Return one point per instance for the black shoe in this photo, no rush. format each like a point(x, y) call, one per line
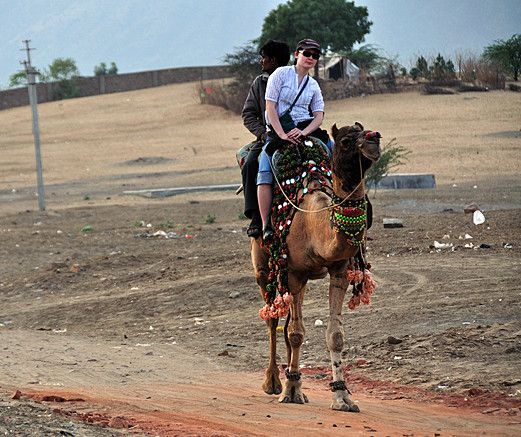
point(267, 233)
point(254, 231)
point(255, 228)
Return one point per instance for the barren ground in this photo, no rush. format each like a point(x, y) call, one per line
point(109, 331)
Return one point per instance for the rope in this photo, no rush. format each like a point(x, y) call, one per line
point(325, 208)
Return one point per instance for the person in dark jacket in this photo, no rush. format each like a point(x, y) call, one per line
point(273, 54)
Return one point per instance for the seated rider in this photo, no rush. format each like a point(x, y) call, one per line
point(273, 54)
point(307, 113)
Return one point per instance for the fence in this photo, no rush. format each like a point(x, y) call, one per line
point(91, 86)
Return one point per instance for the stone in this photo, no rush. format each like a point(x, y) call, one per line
point(392, 223)
point(469, 209)
point(394, 340)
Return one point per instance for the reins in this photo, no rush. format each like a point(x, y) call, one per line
point(333, 205)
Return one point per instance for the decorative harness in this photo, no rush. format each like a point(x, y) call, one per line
point(299, 171)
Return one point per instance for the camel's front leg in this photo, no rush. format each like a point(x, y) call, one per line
point(292, 392)
point(335, 341)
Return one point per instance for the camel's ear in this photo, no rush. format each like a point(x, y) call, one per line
point(334, 130)
point(359, 125)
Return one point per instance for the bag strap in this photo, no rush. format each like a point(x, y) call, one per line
point(298, 95)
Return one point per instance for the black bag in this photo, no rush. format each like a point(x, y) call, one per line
point(285, 119)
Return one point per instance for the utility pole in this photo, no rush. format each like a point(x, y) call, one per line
point(33, 100)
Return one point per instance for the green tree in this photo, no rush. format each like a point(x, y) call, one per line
point(244, 63)
point(366, 57)
point(65, 72)
point(113, 68)
point(18, 79)
point(506, 54)
point(336, 24)
point(63, 69)
point(101, 69)
point(422, 67)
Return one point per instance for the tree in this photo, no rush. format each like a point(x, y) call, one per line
point(506, 54)
point(66, 73)
point(244, 63)
point(366, 57)
point(63, 69)
point(423, 67)
point(18, 79)
point(113, 68)
point(102, 70)
point(336, 24)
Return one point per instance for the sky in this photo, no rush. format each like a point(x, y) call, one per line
point(144, 35)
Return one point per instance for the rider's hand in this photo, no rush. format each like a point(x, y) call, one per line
point(295, 134)
point(287, 137)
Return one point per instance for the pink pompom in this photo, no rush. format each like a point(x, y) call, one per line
point(264, 312)
point(288, 298)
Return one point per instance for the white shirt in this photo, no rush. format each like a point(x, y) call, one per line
point(282, 88)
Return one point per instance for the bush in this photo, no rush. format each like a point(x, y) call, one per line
point(479, 72)
point(224, 95)
point(392, 156)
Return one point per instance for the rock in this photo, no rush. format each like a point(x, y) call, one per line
point(17, 395)
point(476, 391)
point(53, 398)
point(119, 422)
point(470, 208)
point(361, 362)
point(394, 340)
point(392, 223)
point(235, 294)
point(485, 246)
point(319, 322)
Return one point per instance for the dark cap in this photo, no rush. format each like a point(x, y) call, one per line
point(308, 44)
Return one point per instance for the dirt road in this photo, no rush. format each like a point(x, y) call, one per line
point(163, 390)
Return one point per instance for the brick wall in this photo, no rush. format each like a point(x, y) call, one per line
point(91, 86)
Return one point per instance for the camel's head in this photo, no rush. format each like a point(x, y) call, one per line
point(351, 138)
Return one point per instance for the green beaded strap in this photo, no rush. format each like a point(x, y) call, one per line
point(350, 219)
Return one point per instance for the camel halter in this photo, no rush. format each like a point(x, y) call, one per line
point(325, 208)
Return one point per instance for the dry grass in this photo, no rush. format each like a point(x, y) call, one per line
point(459, 138)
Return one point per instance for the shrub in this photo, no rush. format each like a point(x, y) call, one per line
point(392, 156)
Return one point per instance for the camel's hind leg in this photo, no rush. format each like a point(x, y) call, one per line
point(259, 258)
point(294, 334)
point(335, 341)
point(272, 384)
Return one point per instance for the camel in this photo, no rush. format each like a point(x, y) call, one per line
point(315, 248)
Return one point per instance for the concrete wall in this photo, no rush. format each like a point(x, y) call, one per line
point(91, 86)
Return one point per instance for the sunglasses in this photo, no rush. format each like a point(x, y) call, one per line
point(310, 54)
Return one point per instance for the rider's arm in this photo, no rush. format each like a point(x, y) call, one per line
point(252, 116)
point(318, 117)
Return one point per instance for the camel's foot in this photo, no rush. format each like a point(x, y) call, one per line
point(293, 393)
point(342, 402)
point(272, 384)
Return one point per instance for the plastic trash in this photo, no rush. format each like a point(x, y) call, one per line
point(478, 218)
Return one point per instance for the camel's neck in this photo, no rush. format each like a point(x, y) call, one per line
point(348, 176)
